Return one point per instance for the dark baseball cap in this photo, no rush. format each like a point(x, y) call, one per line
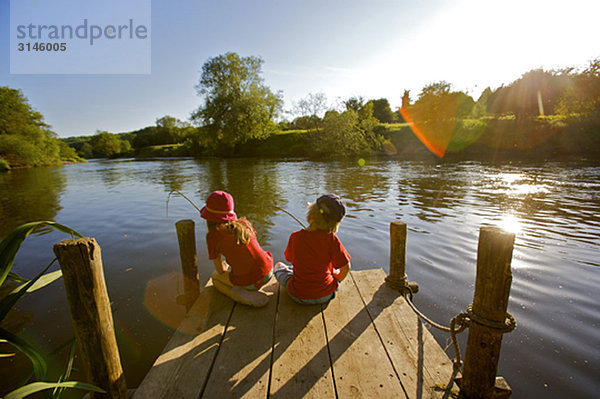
point(331, 207)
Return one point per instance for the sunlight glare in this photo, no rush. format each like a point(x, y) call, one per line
point(510, 223)
point(510, 178)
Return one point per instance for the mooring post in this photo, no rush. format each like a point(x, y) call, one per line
point(397, 278)
point(81, 264)
point(189, 261)
point(490, 301)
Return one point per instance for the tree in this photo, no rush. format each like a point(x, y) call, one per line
point(435, 114)
point(310, 109)
point(106, 145)
point(382, 110)
point(480, 107)
point(354, 103)
point(86, 151)
point(582, 96)
point(237, 105)
point(406, 99)
point(348, 133)
point(170, 130)
point(537, 92)
point(437, 102)
point(25, 139)
point(17, 116)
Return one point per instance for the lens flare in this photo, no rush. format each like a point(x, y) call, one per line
point(161, 298)
point(435, 139)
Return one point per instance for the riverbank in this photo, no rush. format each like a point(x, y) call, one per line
point(478, 140)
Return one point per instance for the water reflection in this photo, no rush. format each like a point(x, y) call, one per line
point(37, 197)
point(172, 176)
point(554, 207)
point(431, 190)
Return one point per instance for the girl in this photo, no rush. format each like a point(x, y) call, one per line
point(246, 267)
point(319, 260)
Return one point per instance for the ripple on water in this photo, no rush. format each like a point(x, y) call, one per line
point(554, 295)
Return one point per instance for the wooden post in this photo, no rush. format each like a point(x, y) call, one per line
point(189, 261)
point(397, 278)
point(81, 264)
point(492, 289)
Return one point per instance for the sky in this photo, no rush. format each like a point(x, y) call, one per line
point(342, 48)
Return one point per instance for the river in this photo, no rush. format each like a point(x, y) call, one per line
point(553, 207)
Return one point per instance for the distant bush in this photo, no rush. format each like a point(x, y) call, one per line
point(4, 166)
point(348, 133)
point(67, 153)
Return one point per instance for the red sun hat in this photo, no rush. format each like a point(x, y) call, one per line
point(219, 208)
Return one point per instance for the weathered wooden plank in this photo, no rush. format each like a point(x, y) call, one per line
point(183, 367)
point(361, 367)
point(423, 367)
point(301, 367)
point(242, 366)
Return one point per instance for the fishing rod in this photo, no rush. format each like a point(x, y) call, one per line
point(294, 217)
point(183, 195)
point(195, 206)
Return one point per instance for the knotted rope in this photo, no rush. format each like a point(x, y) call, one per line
point(460, 322)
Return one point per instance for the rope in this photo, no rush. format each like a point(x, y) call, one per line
point(506, 326)
point(461, 322)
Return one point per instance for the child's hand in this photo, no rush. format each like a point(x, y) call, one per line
point(341, 273)
point(220, 265)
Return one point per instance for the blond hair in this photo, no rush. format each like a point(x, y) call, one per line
point(318, 221)
point(241, 228)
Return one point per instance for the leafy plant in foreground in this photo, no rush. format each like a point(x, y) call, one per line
point(8, 251)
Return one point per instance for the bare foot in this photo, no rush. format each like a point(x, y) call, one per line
point(252, 298)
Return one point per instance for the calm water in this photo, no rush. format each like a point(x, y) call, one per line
point(554, 352)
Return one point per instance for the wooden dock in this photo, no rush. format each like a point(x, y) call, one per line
point(366, 342)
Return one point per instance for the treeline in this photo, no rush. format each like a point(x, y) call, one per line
point(554, 112)
point(25, 139)
point(167, 131)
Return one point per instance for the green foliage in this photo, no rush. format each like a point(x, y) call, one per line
point(9, 247)
point(354, 103)
point(4, 165)
point(67, 153)
point(167, 150)
point(17, 116)
point(348, 133)
point(168, 130)
point(437, 103)
point(87, 151)
point(537, 92)
point(310, 111)
point(11, 244)
point(307, 122)
point(582, 97)
point(108, 145)
point(19, 151)
point(237, 105)
point(41, 386)
point(382, 110)
point(25, 139)
point(480, 107)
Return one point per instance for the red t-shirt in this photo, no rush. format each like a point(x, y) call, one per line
point(249, 263)
point(314, 255)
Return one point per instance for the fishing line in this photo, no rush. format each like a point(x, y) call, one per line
point(183, 195)
point(294, 217)
point(195, 206)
